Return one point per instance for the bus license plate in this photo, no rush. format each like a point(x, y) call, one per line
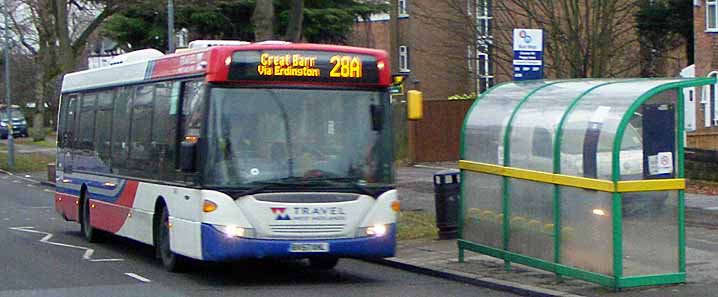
point(309, 247)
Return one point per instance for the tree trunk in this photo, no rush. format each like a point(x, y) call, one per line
point(38, 120)
point(262, 19)
point(296, 18)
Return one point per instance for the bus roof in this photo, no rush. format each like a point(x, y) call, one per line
point(214, 64)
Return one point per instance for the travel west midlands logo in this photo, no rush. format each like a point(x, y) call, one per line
point(281, 213)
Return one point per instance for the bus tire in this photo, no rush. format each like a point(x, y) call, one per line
point(170, 261)
point(90, 233)
point(323, 263)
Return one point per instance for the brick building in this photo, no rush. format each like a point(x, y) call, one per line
point(431, 49)
point(705, 25)
point(450, 47)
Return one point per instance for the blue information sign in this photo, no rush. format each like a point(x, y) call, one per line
point(528, 54)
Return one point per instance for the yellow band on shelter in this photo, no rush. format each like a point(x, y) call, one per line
point(575, 181)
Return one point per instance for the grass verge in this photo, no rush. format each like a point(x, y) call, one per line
point(27, 162)
point(28, 141)
point(416, 225)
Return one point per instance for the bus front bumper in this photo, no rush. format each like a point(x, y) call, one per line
point(216, 246)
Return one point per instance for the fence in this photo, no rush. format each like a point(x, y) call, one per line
point(436, 137)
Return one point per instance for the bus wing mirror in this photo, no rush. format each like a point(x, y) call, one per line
point(377, 117)
point(414, 105)
point(188, 155)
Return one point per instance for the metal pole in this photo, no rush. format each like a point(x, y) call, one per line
point(8, 98)
point(170, 26)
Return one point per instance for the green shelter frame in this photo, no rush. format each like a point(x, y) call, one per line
point(582, 178)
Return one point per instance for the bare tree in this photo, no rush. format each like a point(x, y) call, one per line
point(55, 33)
point(583, 38)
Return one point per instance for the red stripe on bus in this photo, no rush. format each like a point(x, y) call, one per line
point(127, 197)
point(112, 216)
point(107, 216)
point(66, 205)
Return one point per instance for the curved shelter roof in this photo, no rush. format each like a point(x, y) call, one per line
point(501, 123)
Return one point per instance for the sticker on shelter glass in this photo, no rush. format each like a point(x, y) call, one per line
point(600, 113)
point(661, 163)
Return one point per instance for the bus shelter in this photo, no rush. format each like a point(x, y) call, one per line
point(582, 178)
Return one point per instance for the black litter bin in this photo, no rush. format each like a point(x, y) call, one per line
point(447, 188)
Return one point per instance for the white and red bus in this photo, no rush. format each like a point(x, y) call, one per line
point(264, 150)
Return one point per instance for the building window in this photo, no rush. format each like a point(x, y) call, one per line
point(404, 59)
point(711, 15)
point(708, 100)
point(402, 8)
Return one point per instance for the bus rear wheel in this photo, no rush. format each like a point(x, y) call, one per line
point(90, 233)
point(323, 263)
point(170, 261)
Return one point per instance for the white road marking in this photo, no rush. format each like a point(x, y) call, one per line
point(26, 179)
point(16, 181)
point(49, 191)
point(137, 277)
point(31, 186)
point(46, 239)
point(41, 207)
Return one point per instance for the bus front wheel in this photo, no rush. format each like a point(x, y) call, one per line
point(171, 261)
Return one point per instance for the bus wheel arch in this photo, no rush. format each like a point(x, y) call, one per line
point(161, 237)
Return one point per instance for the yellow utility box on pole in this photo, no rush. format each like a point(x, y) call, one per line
point(414, 108)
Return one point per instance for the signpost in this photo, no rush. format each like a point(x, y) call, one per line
point(8, 109)
point(528, 54)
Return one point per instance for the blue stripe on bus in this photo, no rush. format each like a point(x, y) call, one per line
point(218, 247)
point(93, 186)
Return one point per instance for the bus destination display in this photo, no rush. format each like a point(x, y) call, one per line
point(303, 66)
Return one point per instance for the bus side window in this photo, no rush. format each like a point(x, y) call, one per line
point(164, 135)
point(86, 124)
point(140, 153)
point(121, 129)
point(103, 127)
point(193, 96)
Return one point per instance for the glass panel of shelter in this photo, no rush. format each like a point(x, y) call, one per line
point(531, 145)
point(484, 137)
point(650, 219)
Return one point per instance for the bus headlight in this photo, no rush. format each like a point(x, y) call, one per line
point(378, 230)
point(232, 231)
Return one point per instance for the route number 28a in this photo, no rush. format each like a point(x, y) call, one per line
point(345, 67)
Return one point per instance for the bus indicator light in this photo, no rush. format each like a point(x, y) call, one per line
point(396, 205)
point(380, 65)
point(209, 206)
point(191, 138)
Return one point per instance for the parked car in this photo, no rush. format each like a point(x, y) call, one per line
point(19, 124)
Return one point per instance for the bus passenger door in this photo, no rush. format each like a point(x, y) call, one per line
point(67, 135)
